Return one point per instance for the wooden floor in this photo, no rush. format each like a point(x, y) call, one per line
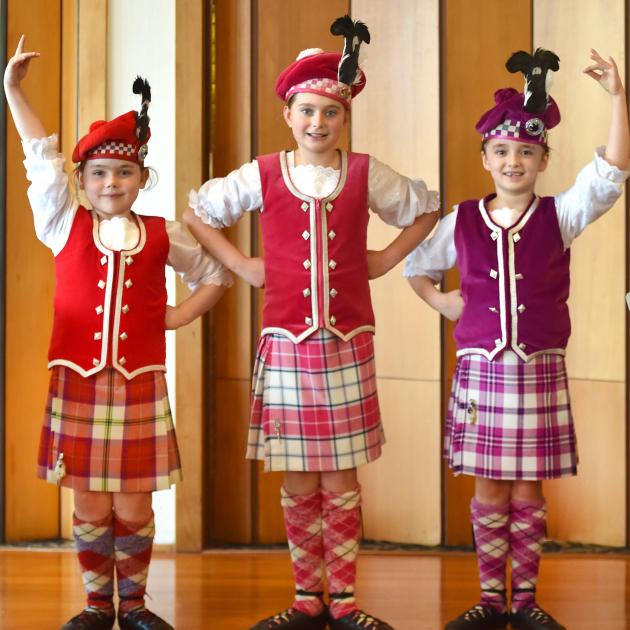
point(39, 590)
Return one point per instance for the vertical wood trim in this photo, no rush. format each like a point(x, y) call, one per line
point(31, 505)
point(463, 177)
point(191, 84)
point(3, 199)
point(230, 474)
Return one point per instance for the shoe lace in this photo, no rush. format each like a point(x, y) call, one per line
point(538, 614)
point(282, 617)
point(477, 613)
point(363, 620)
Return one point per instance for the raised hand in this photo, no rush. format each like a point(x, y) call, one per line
point(17, 68)
point(605, 73)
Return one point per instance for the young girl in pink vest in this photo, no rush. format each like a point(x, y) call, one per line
point(108, 432)
point(315, 412)
point(509, 420)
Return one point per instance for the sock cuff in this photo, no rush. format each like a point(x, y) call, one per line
point(288, 499)
point(128, 528)
point(484, 509)
point(103, 522)
point(348, 500)
point(528, 506)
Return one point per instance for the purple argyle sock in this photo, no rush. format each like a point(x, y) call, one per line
point(492, 542)
point(528, 520)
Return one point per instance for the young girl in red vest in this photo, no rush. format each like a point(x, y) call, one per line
point(315, 412)
point(108, 431)
point(509, 420)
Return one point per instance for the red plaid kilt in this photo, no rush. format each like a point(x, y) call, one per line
point(314, 403)
point(510, 419)
point(116, 435)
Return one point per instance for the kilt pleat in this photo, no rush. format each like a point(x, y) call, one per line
point(314, 404)
point(116, 435)
point(510, 419)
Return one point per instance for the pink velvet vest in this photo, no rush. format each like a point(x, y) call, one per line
point(315, 252)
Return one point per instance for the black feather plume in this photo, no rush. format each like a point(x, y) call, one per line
point(141, 86)
point(535, 68)
point(354, 34)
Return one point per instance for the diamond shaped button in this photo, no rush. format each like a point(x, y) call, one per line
point(306, 264)
point(332, 264)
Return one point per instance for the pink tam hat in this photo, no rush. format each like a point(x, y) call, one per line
point(528, 116)
point(334, 75)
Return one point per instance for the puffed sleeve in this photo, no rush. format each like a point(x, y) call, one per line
point(397, 199)
point(53, 206)
point(220, 202)
point(596, 188)
point(435, 255)
point(191, 261)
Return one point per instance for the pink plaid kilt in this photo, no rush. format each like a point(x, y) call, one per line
point(116, 435)
point(508, 419)
point(314, 404)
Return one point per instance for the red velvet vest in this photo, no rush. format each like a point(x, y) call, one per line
point(110, 306)
point(315, 250)
point(514, 282)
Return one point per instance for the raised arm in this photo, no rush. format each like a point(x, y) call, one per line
point(606, 74)
point(26, 120)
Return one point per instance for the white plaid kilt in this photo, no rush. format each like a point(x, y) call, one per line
point(510, 419)
point(314, 404)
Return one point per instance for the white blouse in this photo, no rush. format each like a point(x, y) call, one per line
point(54, 209)
point(596, 188)
point(397, 199)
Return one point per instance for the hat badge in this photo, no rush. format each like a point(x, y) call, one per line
point(534, 126)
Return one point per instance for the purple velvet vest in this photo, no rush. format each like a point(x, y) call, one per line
point(514, 282)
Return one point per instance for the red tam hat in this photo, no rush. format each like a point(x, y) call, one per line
point(123, 138)
point(315, 72)
point(328, 74)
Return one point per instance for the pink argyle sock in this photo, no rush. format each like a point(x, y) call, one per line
point(528, 522)
point(492, 543)
point(341, 515)
point(303, 524)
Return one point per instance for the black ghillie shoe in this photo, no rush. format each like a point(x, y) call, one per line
point(479, 617)
point(358, 620)
point(142, 619)
point(90, 619)
point(292, 619)
point(533, 618)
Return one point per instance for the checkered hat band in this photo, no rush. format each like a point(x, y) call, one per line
point(507, 129)
point(113, 150)
point(322, 86)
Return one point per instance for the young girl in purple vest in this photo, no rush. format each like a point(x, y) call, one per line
point(108, 432)
point(315, 412)
point(509, 420)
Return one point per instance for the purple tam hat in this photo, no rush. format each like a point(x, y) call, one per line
point(527, 116)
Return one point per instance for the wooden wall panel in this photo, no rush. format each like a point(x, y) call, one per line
point(283, 29)
point(404, 133)
point(596, 353)
point(230, 475)
point(473, 68)
point(190, 158)
point(32, 506)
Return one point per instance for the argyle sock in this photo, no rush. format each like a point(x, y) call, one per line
point(95, 549)
point(492, 543)
point(528, 523)
point(303, 524)
point(341, 517)
point(133, 543)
